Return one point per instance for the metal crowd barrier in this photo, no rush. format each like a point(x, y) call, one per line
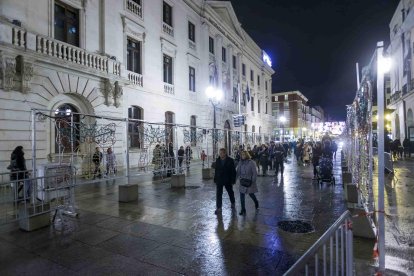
point(31, 196)
point(332, 254)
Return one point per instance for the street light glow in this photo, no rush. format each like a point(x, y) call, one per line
point(282, 119)
point(384, 64)
point(388, 117)
point(210, 92)
point(213, 93)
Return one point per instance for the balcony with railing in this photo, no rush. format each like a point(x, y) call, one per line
point(69, 53)
point(58, 52)
point(192, 45)
point(135, 78)
point(134, 8)
point(169, 30)
point(395, 97)
point(169, 88)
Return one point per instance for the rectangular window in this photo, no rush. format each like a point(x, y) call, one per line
point(211, 45)
point(258, 106)
point(251, 75)
point(258, 80)
point(266, 108)
point(136, 128)
point(234, 62)
point(134, 56)
point(252, 103)
point(244, 69)
point(223, 54)
point(286, 97)
point(191, 77)
point(66, 24)
point(266, 85)
point(167, 14)
point(191, 31)
point(168, 66)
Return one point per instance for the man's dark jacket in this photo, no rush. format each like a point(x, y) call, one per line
point(225, 174)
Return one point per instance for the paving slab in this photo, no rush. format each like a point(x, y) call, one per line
point(175, 231)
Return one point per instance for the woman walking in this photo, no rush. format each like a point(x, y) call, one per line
point(247, 174)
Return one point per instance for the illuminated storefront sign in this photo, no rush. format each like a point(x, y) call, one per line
point(266, 58)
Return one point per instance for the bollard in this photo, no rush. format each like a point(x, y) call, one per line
point(207, 173)
point(178, 181)
point(128, 192)
point(346, 177)
point(362, 225)
point(34, 217)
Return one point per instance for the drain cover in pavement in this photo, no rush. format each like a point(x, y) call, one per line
point(295, 226)
point(191, 187)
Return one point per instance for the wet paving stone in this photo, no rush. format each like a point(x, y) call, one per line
point(129, 246)
point(94, 235)
point(175, 231)
point(171, 257)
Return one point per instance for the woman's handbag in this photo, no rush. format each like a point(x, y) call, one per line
point(245, 182)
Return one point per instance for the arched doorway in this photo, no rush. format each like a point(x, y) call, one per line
point(227, 137)
point(66, 135)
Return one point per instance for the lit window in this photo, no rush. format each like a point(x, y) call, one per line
point(191, 77)
point(168, 65)
point(191, 31)
point(167, 14)
point(211, 45)
point(134, 56)
point(66, 25)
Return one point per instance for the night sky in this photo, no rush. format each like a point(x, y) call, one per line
point(314, 44)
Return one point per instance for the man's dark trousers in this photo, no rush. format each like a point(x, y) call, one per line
point(225, 176)
point(229, 189)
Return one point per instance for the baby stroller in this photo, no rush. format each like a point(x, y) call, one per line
point(325, 170)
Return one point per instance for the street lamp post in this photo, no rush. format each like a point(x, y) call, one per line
point(383, 66)
point(214, 95)
point(282, 120)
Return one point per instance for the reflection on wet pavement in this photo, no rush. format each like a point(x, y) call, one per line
point(174, 231)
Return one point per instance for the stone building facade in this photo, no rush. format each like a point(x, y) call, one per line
point(401, 87)
point(294, 107)
point(137, 59)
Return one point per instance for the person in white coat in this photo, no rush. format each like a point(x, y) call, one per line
point(246, 175)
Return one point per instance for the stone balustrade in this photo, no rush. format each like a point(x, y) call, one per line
point(134, 7)
point(43, 45)
point(135, 78)
point(191, 45)
point(70, 53)
point(169, 88)
point(18, 37)
point(167, 29)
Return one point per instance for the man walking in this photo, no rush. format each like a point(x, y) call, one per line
point(279, 156)
point(225, 176)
